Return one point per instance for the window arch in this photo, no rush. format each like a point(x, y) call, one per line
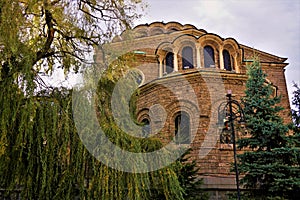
point(182, 128)
point(187, 58)
point(209, 57)
point(170, 62)
point(227, 60)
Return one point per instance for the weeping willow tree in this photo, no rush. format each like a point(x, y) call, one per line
point(41, 154)
point(130, 182)
point(40, 151)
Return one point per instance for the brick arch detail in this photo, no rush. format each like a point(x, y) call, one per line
point(185, 106)
point(234, 50)
point(215, 42)
point(142, 114)
point(157, 31)
point(163, 49)
point(210, 39)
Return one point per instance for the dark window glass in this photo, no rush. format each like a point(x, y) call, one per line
point(209, 57)
point(146, 127)
point(169, 62)
point(139, 78)
point(136, 75)
point(182, 129)
point(187, 58)
point(227, 60)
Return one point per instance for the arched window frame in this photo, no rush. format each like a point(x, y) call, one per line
point(187, 57)
point(169, 62)
point(209, 56)
point(227, 60)
point(233, 63)
point(182, 132)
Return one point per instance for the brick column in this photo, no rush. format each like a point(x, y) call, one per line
point(235, 64)
point(198, 56)
point(160, 73)
point(175, 60)
point(221, 58)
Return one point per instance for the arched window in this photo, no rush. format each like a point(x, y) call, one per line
point(227, 60)
point(182, 128)
point(136, 75)
point(169, 62)
point(187, 58)
point(209, 57)
point(146, 127)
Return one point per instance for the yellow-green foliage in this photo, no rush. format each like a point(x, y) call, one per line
point(41, 154)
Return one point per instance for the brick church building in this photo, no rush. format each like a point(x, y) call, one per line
point(184, 75)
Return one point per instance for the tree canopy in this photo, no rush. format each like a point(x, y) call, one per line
point(41, 154)
point(38, 34)
point(296, 109)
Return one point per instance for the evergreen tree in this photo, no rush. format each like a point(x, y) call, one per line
point(295, 126)
point(269, 165)
point(187, 172)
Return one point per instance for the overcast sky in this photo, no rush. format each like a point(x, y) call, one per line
point(272, 26)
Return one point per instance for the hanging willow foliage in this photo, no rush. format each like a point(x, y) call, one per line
point(160, 184)
point(39, 145)
point(111, 183)
point(42, 156)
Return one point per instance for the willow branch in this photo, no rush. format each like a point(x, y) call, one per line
point(50, 37)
